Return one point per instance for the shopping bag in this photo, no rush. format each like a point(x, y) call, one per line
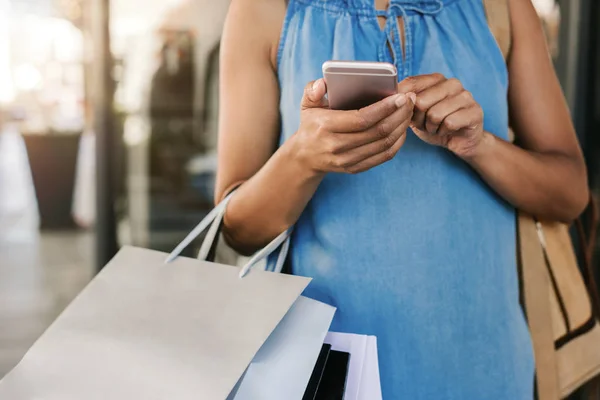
point(283, 365)
point(561, 306)
point(363, 381)
point(149, 328)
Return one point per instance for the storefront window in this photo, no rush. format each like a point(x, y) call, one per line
point(166, 55)
point(549, 12)
point(45, 50)
point(42, 97)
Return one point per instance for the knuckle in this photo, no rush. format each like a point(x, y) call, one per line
point(435, 117)
point(330, 146)
point(343, 163)
point(346, 163)
point(383, 129)
point(324, 121)
point(409, 81)
point(389, 154)
point(353, 170)
point(466, 95)
point(321, 131)
point(361, 121)
point(438, 76)
point(387, 143)
point(451, 124)
point(480, 113)
point(336, 163)
point(307, 88)
point(454, 82)
point(454, 86)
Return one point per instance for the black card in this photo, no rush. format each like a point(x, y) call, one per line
point(317, 374)
point(333, 382)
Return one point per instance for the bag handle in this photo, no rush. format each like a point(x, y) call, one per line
point(201, 227)
point(214, 218)
point(212, 235)
point(587, 245)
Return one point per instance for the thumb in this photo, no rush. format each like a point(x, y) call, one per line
point(314, 93)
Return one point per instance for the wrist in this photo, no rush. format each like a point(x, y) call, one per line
point(299, 163)
point(480, 150)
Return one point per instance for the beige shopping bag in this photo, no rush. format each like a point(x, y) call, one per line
point(560, 304)
point(184, 329)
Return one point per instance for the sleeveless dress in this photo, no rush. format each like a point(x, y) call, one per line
point(419, 251)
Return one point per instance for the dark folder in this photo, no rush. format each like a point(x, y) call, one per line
point(333, 381)
point(317, 374)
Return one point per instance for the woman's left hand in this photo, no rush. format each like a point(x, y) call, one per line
point(445, 113)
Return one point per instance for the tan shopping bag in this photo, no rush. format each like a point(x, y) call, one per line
point(559, 303)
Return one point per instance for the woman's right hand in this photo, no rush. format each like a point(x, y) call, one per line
point(349, 141)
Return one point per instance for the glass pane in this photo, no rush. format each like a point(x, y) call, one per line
point(46, 211)
point(549, 13)
point(166, 66)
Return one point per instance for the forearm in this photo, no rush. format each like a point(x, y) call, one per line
point(551, 186)
point(269, 202)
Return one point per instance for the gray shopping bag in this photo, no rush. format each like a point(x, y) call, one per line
point(284, 364)
point(146, 329)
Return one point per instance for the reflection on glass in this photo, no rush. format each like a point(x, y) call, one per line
point(167, 73)
point(46, 70)
point(42, 97)
point(549, 12)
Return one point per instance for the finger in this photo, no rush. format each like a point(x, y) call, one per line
point(436, 93)
point(364, 118)
point(438, 112)
point(314, 95)
point(359, 154)
point(465, 118)
point(385, 128)
point(431, 96)
point(412, 96)
point(378, 158)
point(418, 83)
point(418, 119)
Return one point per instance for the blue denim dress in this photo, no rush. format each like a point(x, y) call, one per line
point(419, 251)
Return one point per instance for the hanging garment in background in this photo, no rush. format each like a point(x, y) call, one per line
point(84, 192)
point(19, 214)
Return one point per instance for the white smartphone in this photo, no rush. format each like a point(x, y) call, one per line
point(355, 84)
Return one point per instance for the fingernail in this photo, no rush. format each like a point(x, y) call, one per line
point(413, 97)
point(400, 100)
point(316, 84)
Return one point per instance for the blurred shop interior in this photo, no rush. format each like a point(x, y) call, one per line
point(108, 131)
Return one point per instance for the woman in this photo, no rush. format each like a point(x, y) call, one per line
point(404, 211)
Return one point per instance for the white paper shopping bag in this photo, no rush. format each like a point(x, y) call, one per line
point(284, 364)
point(362, 382)
point(154, 327)
point(143, 329)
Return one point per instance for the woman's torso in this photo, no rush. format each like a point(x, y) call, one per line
point(418, 251)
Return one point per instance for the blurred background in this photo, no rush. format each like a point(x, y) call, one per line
point(108, 129)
